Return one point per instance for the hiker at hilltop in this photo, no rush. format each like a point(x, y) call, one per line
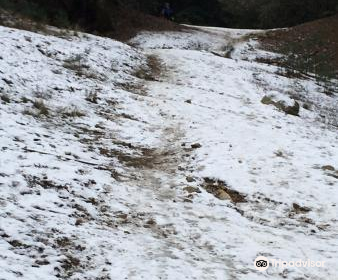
point(167, 12)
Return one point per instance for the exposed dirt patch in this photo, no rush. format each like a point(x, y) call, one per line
point(310, 47)
point(289, 110)
point(152, 70)
point(17, 243)
point(191, 190)
point(147, 159)
point(69, 265)
point(329, 170)
point(300, 209)
point(34, 181)
point(222, 191)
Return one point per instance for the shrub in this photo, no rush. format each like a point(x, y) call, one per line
point(282, 106)
point(5, 98)
point(25, 99)
point(41, 107)
point(92, 97)
point(72, 113)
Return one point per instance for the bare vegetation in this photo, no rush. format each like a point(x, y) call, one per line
point(5, 98)
point(290, 110)
point(152, 70)
point(72, 112)
point(77, 63)
point(41, 107)
point(92, 97)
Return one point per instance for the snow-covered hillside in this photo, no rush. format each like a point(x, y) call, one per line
point(172, 158)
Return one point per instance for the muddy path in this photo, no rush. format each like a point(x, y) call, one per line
point(159, 167)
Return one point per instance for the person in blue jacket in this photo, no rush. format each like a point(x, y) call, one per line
point(167, 11)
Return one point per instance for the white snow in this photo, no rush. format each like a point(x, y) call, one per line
point(102, 195)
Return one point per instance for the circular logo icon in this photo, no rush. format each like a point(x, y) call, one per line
point(261, 263)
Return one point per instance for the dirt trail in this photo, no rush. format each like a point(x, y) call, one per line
point(158, 169)
point(160, 165)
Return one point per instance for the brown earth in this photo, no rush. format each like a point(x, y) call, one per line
point(132, 22)
point(128, 24)
point(310, 47)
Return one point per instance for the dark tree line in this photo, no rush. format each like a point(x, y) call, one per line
point(278, 13)
point(105, 15)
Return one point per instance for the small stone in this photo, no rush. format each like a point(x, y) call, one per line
point(80, 248)
point(151, 222)
point(266, 100)
point(8, 82)
point(223, 195)
point(196, 146)
point(188, 101)
point(192, 190)
point(307, 106)
point(79, 222)
point(190, 179)
point(42, 262)
point(292, 110)
point(122, 216)
point(323, 226)
point(16, 243)
point(300, 209)
point(328, 168)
